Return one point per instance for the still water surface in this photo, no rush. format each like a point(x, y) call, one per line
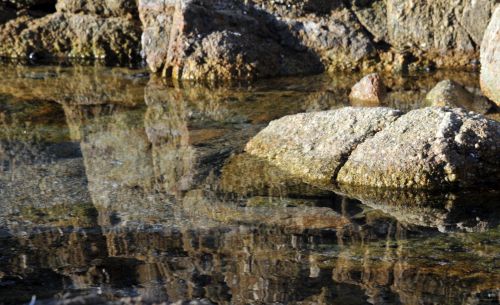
point(117, 188)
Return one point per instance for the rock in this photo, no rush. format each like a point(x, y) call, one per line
point(223, 40)
point(32, 4)
point(451, 94)
point(490, 59)
point(71, 35)
point(428, 148)
point(315, 145)
point(107, 8)
point(369, 90)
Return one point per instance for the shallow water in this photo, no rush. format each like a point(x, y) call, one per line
point(116, 187)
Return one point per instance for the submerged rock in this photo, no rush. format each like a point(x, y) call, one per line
point(315, 145)
point(369, 90)
point(426, 148)
point(451, 94)
point(490, 59)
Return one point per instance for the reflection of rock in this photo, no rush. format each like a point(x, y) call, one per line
point(248, 175)
point(462, 211)
point(315, 145)
point(255, 265)
point(490, 59)
point(74, 85)
point(451, 94)
point(42, 178)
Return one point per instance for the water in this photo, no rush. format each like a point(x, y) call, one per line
point(119, 188)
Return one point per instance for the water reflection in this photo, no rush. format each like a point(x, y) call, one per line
point(116, 188)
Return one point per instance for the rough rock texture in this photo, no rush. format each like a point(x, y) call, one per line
point(428, 148)
point(239, 39)
point(490, 59)
point(79, 29)
point(108, 8)
point(219, 40)
point(370, 89)
point(315, 145)
point(451, 94)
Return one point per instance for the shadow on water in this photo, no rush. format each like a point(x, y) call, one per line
point(117, 189)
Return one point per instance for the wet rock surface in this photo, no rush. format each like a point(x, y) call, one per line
point(490, 59)
point(451, 94)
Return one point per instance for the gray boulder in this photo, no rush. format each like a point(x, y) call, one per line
point(427, 149)
point(430, 148)
point(315, 145)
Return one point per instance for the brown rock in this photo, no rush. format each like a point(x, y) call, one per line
point(369, 90)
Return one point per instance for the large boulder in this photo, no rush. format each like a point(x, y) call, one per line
point(428, 148)
point(315, 145)
point(223, 40)
point(490, 59)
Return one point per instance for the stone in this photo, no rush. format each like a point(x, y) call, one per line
point(452, 94)
point(223, 40)
point(370, 90)
point(315, 145)
point(490, 59)
point(106, 8)
point(429, 148)
point(62, 35)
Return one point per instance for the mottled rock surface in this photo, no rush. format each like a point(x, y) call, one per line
point(452, 94)
point(237, 39)
point(223, 40)
point(315, 145)
point(108, 30)
point(428, 148)
point(490, 59)
point(370, 89)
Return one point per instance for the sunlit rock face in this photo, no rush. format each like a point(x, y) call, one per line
point(105, 30)
point(429, 148)
point(490, 59)
point(205, 40)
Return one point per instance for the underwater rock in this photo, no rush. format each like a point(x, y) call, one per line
point(490, 59)
point(451, 94)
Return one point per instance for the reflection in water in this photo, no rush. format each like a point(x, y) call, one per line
point(118, 189)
